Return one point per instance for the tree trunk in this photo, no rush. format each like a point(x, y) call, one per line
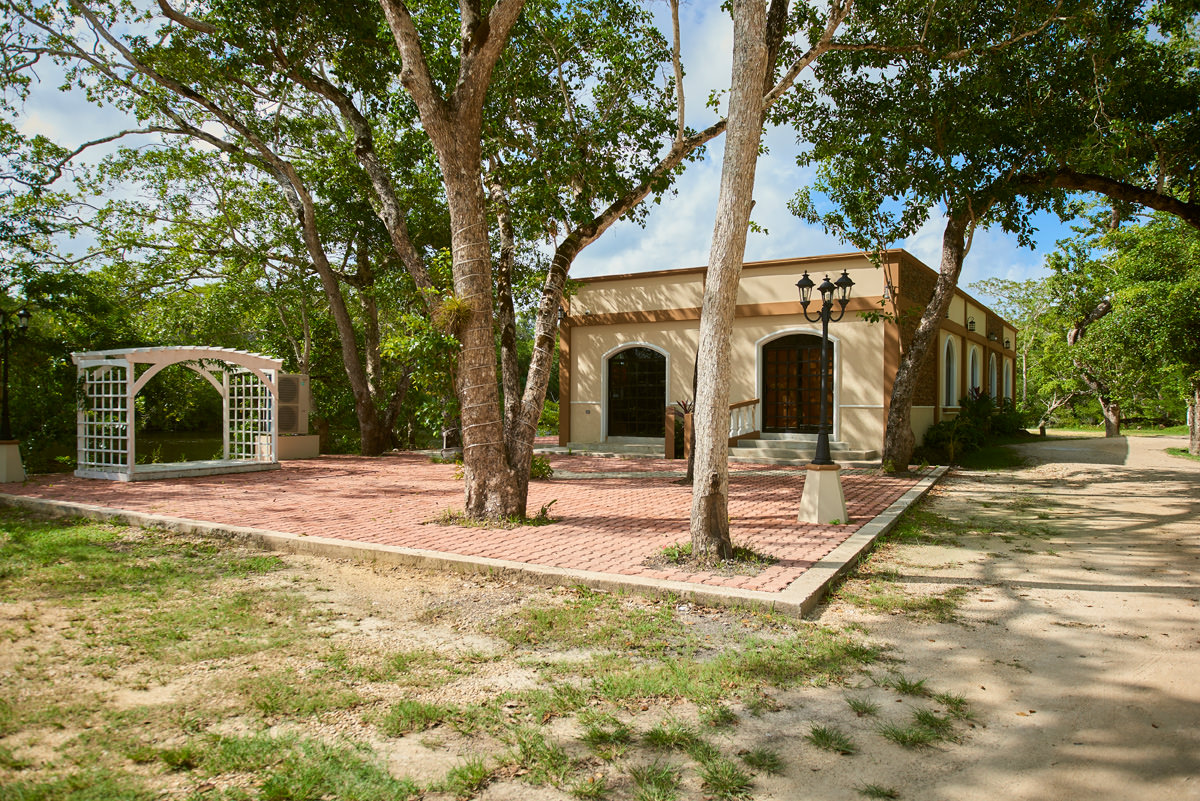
point(1194, 421)
point(493, 489)
point(1109, 407)
point(710, 490)
point(1112, 417)
point(898, 440)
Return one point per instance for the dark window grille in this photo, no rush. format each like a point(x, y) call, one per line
point(637, 393)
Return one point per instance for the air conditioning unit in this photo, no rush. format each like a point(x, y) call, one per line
point(294, 403)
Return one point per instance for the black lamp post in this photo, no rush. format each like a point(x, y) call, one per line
point(828, 289)
point(22, 323)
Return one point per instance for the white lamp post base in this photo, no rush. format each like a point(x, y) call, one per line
point(823, 501)
point(11, 468)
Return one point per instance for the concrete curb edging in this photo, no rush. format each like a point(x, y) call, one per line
point(808, 590)
point(797, 599)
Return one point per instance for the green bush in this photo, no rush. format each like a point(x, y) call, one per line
point(540, 468)
point(949, 439)
point(548, 422)
point(979, 420)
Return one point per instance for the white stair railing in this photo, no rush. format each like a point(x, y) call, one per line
point(743, 418)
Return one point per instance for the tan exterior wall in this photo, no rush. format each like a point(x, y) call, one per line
point(922, 419)
point(592, 345)
point(661, 310)
point(958, 311)
point(857, 346)
point(777, 282)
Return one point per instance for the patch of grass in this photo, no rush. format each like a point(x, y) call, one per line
point(1165, 431)
point(877, 791)
point(927, 727)
point(85, 785)
point(467, 778)
point(590, 618)
point(1183, 452)
point(956, 705)
point(543, 761)
point(406, 716)
point(60, 559)
point(457, 517)
point(993, 457)
point(293, 767)
point(831, 738)
point(285, 694)
point(943, 727)
point(879, 592)
point(861, 706)
point(10, 761)
point(723, 779)
point(591, 787)
point(680, 553)
point(655, 782)
point(763, 760)
point(906, 686)
point(671, 734)
point(920, 525)
point(605, 734)
point(718, 716)
point(910, 736)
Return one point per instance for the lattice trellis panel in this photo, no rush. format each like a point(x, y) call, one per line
point(251, 417)
point(103, 418)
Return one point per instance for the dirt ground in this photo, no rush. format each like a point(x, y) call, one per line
point(1077, 647)
point(1079, 650)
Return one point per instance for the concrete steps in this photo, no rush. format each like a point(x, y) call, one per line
point(794, 449)
point(790, 449)
point(630, 446)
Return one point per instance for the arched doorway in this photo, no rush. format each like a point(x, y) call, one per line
point(637, 393)
point(791, 384)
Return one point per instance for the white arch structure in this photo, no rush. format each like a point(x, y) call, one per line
point(109, 381)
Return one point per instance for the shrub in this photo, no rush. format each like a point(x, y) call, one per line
point(548, 422)
point(540, 468)
point(953, 438)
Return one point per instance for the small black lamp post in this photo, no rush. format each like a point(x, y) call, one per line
point(22, 323)
point(829, 290)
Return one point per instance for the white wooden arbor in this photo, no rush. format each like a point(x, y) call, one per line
point(109, 381)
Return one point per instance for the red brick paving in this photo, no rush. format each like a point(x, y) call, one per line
point(608, 524)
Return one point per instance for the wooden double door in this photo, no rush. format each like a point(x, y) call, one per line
point(792, 384)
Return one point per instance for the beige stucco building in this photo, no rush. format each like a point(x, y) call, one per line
point(628, 346)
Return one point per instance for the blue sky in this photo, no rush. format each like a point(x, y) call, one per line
point(678, 231)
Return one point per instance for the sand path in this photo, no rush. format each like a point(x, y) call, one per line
point(1079, 646)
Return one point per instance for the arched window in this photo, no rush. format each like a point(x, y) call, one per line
point(637, 393)
point(973, 373)
point(993, 378)
point(1008, 370)
point(950, 375)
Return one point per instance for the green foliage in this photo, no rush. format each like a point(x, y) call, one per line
point(548, 422)
point(831, 738)
point(407, 716)
point(981, 421)
point(540, 469)
point(764, 760)
point(655, 782)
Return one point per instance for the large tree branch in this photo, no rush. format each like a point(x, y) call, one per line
point(183, 19)
point(1067, 178)
point(390, 211)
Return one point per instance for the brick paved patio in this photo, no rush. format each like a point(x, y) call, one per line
point(612, 514)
